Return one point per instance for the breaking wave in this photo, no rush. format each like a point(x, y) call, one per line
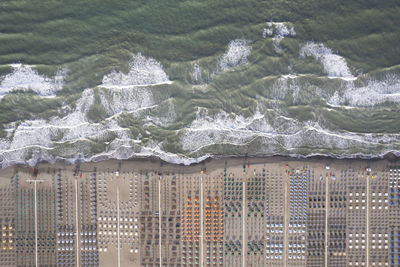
point(373, 93)
point(23, 77)
point(236, 54)
point(278, 31)
point(268, 131)
point(142, 72)
point(334, 65)
point(62, 137)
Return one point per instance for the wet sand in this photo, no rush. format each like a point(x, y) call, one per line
point(149, 165)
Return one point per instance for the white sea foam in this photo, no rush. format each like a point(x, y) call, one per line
point(348, 94)
point(70, 137)
point(223, 128)
point(291, 76)
point(334, 65)
point(124, 149)
point(373, 93)
point(143, 72)
point(237, 53)
point(116, 100)
point(35, 139)
point(46, 135)
point(284, 86)
point(285, 133)
point(23, 77)
point(278, 31)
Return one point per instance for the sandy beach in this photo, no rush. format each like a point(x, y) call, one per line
point(146, 212)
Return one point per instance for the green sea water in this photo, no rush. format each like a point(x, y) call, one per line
point(90, 39)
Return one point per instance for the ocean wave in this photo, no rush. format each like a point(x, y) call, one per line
point(236, 54)
point(37, 140)
point(142, 72)
point(334, 65)
point(23, 77)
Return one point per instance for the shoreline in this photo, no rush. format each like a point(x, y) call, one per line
point(155, 164)
point(391, 156)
